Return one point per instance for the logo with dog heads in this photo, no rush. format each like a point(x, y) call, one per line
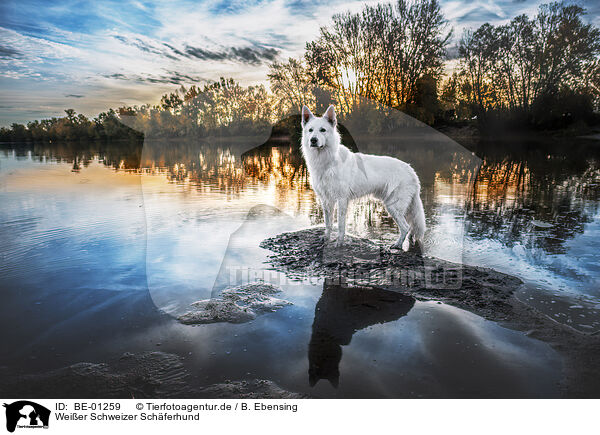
point(26, 414)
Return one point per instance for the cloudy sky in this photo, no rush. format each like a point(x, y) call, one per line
point(94, 55)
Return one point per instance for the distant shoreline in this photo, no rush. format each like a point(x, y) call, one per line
point(467, 133)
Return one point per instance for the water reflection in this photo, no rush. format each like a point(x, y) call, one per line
point(537, 196)
point(340, 312)
point(523, 207)
point(514, 188)
point(531, 200)
point(533, 212)
point(119, 155)
point(84, 234)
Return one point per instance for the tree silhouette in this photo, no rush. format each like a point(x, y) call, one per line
point(541, 71)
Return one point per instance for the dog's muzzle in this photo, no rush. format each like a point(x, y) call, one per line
point(314, 142)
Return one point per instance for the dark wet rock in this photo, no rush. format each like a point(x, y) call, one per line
point(144, 375)
point(253, 389)
point(149, 374)
point(236, 305)
point(365, 263)
point(485, 292)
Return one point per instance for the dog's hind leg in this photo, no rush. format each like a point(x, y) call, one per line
point(397, 208)
point(403, 228)
point(342, 209)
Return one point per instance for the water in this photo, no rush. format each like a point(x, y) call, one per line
point(103, 245)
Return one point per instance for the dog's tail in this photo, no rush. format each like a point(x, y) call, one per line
point(416, 219)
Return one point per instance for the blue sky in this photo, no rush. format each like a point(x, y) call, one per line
point(94, 55)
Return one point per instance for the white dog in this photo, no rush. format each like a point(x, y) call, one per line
point(338, 175)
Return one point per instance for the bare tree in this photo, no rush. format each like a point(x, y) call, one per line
point(528, 60)
point(380, 53)
point(291, 85)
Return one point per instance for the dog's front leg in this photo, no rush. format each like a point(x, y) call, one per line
point(342, 208)
point(328, 214)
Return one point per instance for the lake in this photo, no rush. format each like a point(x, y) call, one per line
point(103, 246)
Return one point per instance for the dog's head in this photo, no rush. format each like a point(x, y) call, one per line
point(319, 132)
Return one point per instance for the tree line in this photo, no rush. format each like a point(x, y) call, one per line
point(107, 126)
point(541, 71)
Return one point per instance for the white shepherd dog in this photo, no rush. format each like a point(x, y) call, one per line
point(338, 175)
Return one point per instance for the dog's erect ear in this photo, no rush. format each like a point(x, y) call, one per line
point(306, 115)
point(330, 115)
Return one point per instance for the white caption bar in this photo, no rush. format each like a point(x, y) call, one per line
point(165, 416)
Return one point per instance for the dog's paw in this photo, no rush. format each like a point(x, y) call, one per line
point(415, 248)
point(339, 243)
point(396, 246)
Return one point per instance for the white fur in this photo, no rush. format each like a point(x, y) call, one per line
point(338, 175)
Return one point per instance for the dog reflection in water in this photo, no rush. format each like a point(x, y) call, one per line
point(341, 312)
